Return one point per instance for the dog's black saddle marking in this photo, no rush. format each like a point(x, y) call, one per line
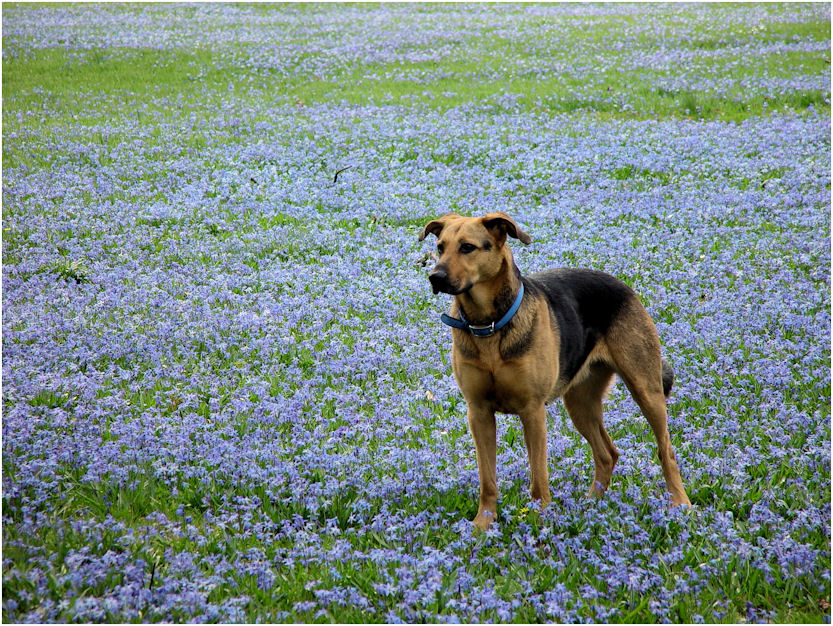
point(585, 303)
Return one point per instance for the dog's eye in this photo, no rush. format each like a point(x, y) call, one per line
point(465, 248)
point(440, 248)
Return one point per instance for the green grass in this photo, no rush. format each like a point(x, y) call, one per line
point(51, 77)
point(130, 506)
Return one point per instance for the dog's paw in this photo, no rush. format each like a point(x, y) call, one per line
point(483, 520)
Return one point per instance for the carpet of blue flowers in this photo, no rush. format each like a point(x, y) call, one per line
point(226, 393)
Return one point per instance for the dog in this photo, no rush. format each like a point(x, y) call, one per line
point(519, 342)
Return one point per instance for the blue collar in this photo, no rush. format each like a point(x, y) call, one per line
point(489, 329)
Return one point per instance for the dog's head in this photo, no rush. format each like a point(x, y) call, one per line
point(470, 249)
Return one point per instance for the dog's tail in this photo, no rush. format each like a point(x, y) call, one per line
point(667, 378)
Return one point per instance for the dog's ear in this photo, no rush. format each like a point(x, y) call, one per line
point(504, 225)
point(435, 227)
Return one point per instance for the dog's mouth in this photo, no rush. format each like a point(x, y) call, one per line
point(448, 288)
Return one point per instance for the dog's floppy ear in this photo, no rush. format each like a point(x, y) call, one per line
point(505, 225)
point(435, 227)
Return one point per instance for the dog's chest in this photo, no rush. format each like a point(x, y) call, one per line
point(505, 385)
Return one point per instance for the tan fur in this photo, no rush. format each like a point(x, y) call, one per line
point(492, 381)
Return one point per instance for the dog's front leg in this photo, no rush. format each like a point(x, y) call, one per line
point(483, 430)
point(534, 421)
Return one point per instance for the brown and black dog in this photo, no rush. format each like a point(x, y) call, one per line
point(520, 342)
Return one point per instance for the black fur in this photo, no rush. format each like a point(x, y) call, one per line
point(585, 303)
point(521, 346)
point(667, 378)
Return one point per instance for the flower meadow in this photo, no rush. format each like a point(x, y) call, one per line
point(227, 396)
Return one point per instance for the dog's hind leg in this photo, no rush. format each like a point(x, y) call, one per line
point(652, 403)
point(634, 347)
point(584, 405)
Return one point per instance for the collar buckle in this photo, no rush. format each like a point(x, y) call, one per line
point(482, 331)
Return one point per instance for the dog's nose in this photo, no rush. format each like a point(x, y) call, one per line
point(439, 280)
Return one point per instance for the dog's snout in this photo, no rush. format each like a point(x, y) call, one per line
point(439, 279)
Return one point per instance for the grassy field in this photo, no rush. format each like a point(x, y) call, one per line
point(227, 396)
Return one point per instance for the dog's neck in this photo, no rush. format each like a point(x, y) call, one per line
point(488, 301)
